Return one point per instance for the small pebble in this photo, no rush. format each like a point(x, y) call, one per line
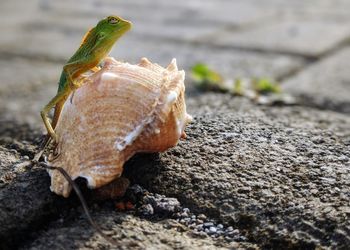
point(212, 230)
point(201, 217)
point(229, 238)
point(147, 210)
point(242, 238)
point(184, 214)
point(137, 189)
point(187, 220)
point(200, 224)
point(208, 224)
point(186, 210)
point(236, 231)
point(230, 233)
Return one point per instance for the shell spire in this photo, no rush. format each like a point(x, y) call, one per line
point(172, 66)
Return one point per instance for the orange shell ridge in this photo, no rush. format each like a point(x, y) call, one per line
point(124, 109)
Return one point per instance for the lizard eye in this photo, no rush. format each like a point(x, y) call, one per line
point(113, 20)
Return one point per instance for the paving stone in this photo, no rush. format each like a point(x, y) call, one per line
point(25, 204)
point(305, 10)
point(57, 27)
point(59, 46)
point(20, 75)
point(325, 84)
point(230, 63)
point(172, 30)
point(253, 168)
point(7, 160)
point(183, 12)
point(26, 86)
point(129, 231)
point(41, 44)
point(230, 13)
point(304, 37)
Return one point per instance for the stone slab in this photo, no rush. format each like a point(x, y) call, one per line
point(26, 86)
point(310, 38)
point(54, 29)
point(280, 174)
point(325, 84)
point(229, 62)
point(23, 202)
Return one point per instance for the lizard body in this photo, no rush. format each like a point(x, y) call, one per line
point(94, 47)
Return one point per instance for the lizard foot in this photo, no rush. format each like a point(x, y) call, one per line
point(77, 84)
point(124, 206)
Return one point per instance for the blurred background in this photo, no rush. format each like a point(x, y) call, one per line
point(303, 44)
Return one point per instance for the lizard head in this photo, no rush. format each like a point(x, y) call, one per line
point(113, 27)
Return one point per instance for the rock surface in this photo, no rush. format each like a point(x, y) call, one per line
point(261, 169)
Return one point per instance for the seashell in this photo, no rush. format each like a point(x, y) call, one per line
point(123, 109)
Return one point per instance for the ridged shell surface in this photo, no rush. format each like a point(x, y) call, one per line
point(120, 110)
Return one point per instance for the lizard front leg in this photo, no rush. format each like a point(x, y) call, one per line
point(74, 69)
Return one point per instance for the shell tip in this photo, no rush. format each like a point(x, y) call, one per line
point(144, 62)
point(189, 118)
point(109, 61)
point(172, 66)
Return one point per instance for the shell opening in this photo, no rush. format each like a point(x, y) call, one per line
point(90, 181)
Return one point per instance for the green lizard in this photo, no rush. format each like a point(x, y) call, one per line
point(94, 47)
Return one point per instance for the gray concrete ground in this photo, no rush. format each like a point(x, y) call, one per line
point(279, 176)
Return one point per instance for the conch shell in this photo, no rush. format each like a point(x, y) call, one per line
point(122, 109)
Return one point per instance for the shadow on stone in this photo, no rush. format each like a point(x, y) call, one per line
point(27, 206)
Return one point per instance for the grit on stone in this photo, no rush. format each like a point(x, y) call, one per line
point(129, 231)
